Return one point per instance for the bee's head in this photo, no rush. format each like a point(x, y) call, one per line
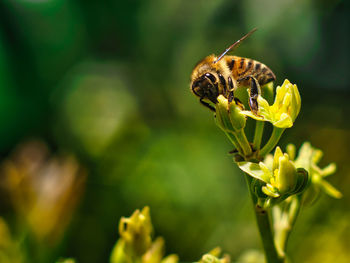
point(204, 80)
point(206, 87)
point(204, 77)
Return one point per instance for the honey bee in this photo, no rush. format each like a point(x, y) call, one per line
point(214, 76)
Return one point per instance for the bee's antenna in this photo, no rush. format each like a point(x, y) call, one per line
point(235, 44)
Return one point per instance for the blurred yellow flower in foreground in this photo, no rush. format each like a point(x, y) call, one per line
point(213, 257)
point(44, 190)
point(135, 243)
point(136, 231)
point(66, 260)
point(284, 110)
point(9, 249)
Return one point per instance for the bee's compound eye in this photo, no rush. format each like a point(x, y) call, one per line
point(202, 87)
point(211, 77)
point(197, 88)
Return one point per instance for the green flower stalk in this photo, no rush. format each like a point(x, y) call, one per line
point(285, 214)
point(278, 184)
point(269, 184)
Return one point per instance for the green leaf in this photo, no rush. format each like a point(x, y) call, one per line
point(254, 170)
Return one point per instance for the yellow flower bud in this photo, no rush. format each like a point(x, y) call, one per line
point(155, 253)
point(136, 231)
point(229, 116)
point(286, 177)
point(135, 243)
point(213, 257)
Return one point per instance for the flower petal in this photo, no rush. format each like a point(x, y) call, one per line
point(285, 121)
point(329, 169)
point(266, 190)
point(253, 116)
point(330, 189)
point(276, 157)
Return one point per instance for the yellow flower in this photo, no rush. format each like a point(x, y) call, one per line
point(42, 187)
point(284, 110)
point(135, 243)
point(213, 257)
point(279, 174)
point(308, 158)
point(136, 231)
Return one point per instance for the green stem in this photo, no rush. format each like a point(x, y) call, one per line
point(284, 228)
point(272, 142)
point(262, 219)
point(259, 129)
point(265, 230)
point(234, 141)
point(243, 142)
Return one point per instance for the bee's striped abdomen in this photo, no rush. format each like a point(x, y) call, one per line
point(243, 67)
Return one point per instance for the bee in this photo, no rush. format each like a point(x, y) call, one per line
point(214, 76)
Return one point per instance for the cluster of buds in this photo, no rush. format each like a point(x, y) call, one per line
point(276, 179)
point(231, 118)
point(278, 183)
point(135, 243)
point(282, 175)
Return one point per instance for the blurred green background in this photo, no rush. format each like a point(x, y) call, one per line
point(108, 82)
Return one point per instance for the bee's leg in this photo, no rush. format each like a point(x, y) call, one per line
point(254, 92)
point(239, 103)
point(206, 104)
point(230, 96)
